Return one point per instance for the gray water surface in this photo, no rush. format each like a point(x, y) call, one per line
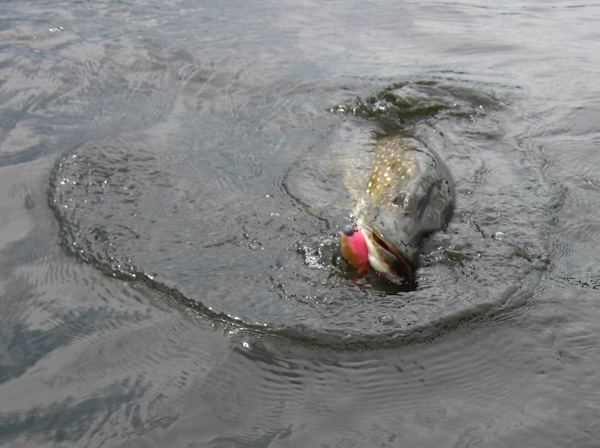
point(174, 179)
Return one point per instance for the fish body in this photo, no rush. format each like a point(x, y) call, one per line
point(409, 194)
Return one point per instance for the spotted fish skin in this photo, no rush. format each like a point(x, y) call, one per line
point(409, 194)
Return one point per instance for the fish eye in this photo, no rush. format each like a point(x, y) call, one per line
point(401, 199)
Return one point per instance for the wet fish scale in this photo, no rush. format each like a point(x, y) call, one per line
point(392, 164)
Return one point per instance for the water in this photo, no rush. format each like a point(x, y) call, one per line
point(174, 179)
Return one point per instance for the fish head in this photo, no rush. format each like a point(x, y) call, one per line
point(391, 237)
point(409, 194)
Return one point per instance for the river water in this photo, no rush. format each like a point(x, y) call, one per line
point(175, 176)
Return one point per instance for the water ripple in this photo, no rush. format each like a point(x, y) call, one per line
point(179, 218)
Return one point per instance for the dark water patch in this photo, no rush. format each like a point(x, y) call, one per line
point(23, 156)
point(238, 229)
point(25, 346)
point(70, 421)
point(397, 109)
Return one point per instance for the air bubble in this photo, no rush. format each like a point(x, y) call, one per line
point(386, 320)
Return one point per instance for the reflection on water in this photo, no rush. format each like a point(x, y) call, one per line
point(201, 161)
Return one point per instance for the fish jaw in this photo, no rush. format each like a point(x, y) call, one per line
point(364, 249)
point(386, 258)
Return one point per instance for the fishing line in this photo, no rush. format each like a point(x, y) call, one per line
point(296, 46)
point(329, 154)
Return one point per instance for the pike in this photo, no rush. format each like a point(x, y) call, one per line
point(409, 195)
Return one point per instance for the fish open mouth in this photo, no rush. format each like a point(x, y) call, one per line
point(384, 257)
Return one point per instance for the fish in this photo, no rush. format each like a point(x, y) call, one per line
point(409, 194)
